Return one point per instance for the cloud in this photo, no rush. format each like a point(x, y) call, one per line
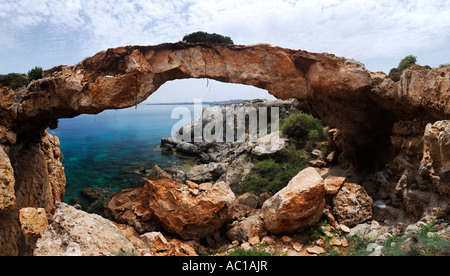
point(360, 29)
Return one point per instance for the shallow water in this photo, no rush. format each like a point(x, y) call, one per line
point(106, 150)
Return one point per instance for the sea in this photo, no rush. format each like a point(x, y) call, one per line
point(107, 150)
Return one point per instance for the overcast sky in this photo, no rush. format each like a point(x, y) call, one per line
point(378, 33)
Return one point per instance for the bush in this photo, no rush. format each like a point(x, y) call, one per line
point(273, 174)
point(14, 80)
point(35, 73)
point(305, 128)
point(203, 37)
point(407, 62)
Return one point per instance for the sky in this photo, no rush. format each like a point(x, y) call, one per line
point(378, 33)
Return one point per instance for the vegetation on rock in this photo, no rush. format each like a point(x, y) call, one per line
point(274, 173)
point(203, 37)
point(404, 64)
point(35, 73)
point(16, 80)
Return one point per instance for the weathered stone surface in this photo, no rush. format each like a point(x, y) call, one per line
point(249, 227)
point(155, 241)
point(187, 148)
point(333, 184)
point(33, 221)
point(435, 165)
point(269, 144)
point(130, 206)
point(199, 174)
point(363, 105)
point(7, 181)
point(352, 205)
point(297, 206)
point(190, 212)
point(72, 230)
point(52, 153)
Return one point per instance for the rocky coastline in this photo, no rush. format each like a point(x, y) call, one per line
point(204, 211)
point(390, 152)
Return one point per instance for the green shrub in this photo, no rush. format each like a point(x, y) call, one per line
point(273, 174)
point(305, 128)
point(35, 73)
point(14, 80)
point(203, 37)
point(407, 62)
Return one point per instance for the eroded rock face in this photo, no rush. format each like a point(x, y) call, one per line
point(191, 212)
point(352, 205)
point(37, 174)
point(7, 194)
point(435, 165)
point(367, 108)
point(131, 207)
point(74, 232)
point(297, 206)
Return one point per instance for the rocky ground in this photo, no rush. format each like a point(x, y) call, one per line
point(203, 211)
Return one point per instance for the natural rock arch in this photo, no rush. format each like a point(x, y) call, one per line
point(362, 104)
point(378, 118)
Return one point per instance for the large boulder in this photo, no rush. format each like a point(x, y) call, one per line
point(194, 211)
point(297, 206)
point(74, 232)
point(188, 148)
point(130, 206)
point(352, 205)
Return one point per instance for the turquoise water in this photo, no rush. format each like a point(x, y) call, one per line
point(106, 150)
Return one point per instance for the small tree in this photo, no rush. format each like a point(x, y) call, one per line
point(35, 73)
point(407, 62)
point(203, 37)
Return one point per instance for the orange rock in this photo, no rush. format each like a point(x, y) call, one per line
point(33, 221)
point(191, 215)
point(297, 206)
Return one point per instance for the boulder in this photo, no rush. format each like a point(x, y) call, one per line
point(333, 184)
point(155, 241)
point(168, 143)
point(199, 174)
point(191, 213)
point(352, 205)
point(269, 144)
point(188, 148)
point(130, 206)
point(33, 221)
point(249, 227)
point(297, 206)
point(217, 169)
point(74, 231)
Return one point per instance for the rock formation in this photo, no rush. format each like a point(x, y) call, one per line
point(381, 123)
point(297, 206)
point(194, 211)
